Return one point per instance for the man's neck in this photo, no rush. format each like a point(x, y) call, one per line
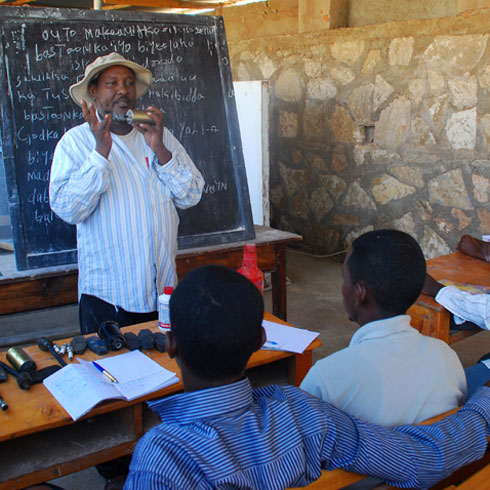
point(193, 383)
point(373, 316)
point(120, 127)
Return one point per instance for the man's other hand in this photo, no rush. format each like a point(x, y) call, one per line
point(431, 286)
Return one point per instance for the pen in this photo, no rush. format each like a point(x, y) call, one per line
point(270, 342)
point(105, 372)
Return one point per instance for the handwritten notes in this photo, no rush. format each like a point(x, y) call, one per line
point(79, 387)
point(192, 85)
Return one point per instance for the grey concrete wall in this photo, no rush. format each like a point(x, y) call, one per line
point(366, 12)
point(377, 126)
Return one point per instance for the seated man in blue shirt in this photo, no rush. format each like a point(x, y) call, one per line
point(390, 374)
point(220, 433)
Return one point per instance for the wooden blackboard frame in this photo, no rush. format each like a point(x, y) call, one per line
point(242, 228)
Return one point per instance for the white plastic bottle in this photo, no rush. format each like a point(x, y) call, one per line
point(164, 308)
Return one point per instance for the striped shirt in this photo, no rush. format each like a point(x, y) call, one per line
point(466, 306)
point(125, 212)
point(279, 436)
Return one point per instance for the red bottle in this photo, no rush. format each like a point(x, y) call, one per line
point(249, 266)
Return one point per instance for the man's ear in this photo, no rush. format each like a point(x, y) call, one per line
point(91, 90)
point(262, 339)
point(362, 292)
point(171, 344)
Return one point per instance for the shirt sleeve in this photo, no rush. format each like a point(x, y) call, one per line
point(180, 174)
point(471, 307)
point(411, 455)
point(79, 176)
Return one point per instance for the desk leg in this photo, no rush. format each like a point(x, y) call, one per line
point(278, 280)
point(299, 365)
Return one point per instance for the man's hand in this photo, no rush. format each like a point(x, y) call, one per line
point(431, 286)
point(154, 135)
point(100, 129)
point(474, 247)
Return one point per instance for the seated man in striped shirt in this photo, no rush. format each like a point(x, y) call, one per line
point(221, 433)
point(121, 183)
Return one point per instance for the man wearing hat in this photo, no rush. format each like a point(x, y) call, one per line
point(121, 184)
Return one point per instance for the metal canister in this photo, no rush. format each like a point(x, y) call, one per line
point(139, 117)
point(20, 360)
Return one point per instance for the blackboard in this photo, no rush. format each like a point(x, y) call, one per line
point(43, 51)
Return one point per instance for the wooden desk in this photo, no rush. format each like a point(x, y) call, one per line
point(39, 441)
point(432, 319)
point(54, 286)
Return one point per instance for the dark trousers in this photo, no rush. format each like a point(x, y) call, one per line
point(92, 312)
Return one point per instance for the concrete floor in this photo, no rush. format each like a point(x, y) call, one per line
point(314, 303)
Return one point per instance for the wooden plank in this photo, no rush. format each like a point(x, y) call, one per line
point(26, 295)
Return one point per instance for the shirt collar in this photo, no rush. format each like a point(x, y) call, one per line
point(212, 402)
point(382, 328)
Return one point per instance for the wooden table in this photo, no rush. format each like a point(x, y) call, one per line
point(54, 286)
point(39, 441)
point(428, 316)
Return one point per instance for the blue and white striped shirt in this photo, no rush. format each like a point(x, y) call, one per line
point(125, 214)
point(279, 436)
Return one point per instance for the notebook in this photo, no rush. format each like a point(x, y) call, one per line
point(79, 387)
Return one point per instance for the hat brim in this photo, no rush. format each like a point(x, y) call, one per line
point(144, 80)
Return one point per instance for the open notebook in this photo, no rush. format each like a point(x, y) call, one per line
point(79, 387)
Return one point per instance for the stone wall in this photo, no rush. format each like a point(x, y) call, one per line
point(378, 126)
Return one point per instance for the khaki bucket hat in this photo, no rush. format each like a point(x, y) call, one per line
point(79, 91)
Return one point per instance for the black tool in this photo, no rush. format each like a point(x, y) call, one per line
point(3, 375)
point(23, 378)
point(3, 404)
point(41, 374)
point(78, 344)
point(47, 345)
point(145, 337)
point(98, 346)
point(159, 341)
point(111, 333)
point(132, 342)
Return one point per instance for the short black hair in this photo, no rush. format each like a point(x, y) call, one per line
point(216, 317)
point(392, 264)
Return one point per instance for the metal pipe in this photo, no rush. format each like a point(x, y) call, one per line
point(98, 4)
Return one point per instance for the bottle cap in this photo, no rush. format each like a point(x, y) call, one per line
point(250, 248)
point(168, 290)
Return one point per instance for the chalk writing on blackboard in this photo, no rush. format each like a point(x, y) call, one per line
point(44, 51)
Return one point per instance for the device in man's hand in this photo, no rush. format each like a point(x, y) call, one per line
point(138, 117)
point(134, 117)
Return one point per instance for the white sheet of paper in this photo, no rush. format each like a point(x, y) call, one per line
point(283, 337)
